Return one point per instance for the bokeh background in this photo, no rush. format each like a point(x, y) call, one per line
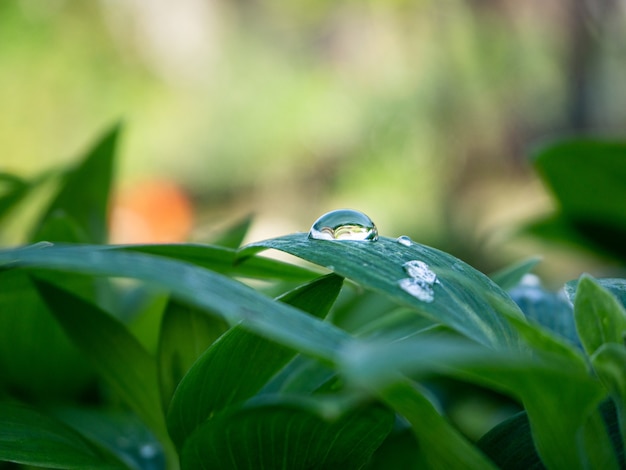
point(420, 113)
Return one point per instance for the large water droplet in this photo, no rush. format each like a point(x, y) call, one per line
point(418, 289)
point(344, 224)
point(419, 270)
point(404, 240)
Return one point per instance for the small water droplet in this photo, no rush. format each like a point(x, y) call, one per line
point(344, 224)
point(404, 240)
point(43, 244)
point(419, 270)
point(417, 288)
point(148, 451)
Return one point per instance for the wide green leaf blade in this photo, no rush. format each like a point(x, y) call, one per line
point(600, 318)
point(117, 355)
point(558, 395)
point(237, 365)
point(186, 332)
point(462, 297)
point(236, 302)
point(30, 437)
point(286, 435)
point(84, 195)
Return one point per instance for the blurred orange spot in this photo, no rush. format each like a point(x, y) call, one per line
point(151, 211)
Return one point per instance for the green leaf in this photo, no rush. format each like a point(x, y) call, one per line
point(462, 298)
point(237, 365)
point(510, 445)
point(118, 357)
point(549, 309)
point(558, 395)
point(84, 195)
point(615, 286)
point(12, 190)
point(609, 363)
point(289, 435)
point(233, 237)
point(32, 438)
point(119, 432)
point(510, 276)
point(587, 179)
point(37, 359)
point(440, 445)
point(224, 260)
point(186, 332)
point(600, 318)
point(236, 302)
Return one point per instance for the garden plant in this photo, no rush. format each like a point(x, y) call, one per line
point(214, 356)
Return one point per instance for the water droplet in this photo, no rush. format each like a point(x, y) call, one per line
point(419, 270)
point(404, 240)
point(43, 244)
point(418, 288)
point(148, 451)
point(344, 224)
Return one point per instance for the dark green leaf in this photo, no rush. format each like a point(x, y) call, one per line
point(510, 445)
point(33, 438)
point(119, 358)
point(223, 260)
point(37, 361)
point(463, 298)
point(440, 445)
point(119, 432)
point(510, 276)
point(84, 195)
point(231, 299)
point(609, 363)
point(290, 435)
point(587, 178)
point(600, 318)
point(237, 365)
point(186, 332)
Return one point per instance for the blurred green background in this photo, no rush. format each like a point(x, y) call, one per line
point(419, 113)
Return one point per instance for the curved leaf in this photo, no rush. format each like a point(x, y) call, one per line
point(462, 297)
point(239, 363)
point(33, 438)
point(286, 435)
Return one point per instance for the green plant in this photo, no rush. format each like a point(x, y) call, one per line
point(208, 372)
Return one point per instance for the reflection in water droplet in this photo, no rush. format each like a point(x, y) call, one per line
point(344, 224)
point(418, 289)
point(420, 270)
point(404, 240)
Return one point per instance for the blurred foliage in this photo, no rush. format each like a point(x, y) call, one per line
point(405, 109)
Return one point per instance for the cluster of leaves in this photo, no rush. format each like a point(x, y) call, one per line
point(211, 356)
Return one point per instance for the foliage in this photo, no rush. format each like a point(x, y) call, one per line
point(343, 369)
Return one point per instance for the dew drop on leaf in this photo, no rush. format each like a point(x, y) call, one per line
point(418, 288)
point(420, 270)
point(344, 224)
point(404, 240)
